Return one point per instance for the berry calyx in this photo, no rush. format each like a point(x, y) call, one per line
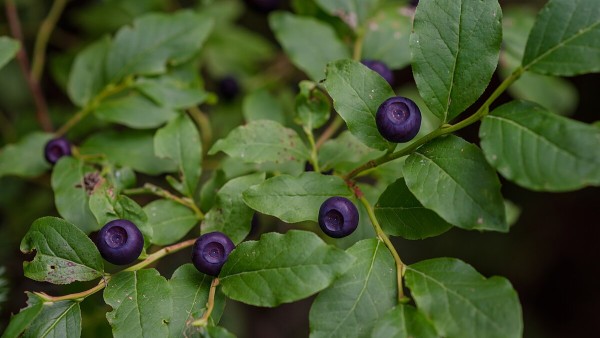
point(381, 68)
point(210, 252)
point(120, 242)
point(57, 148)
point(338, 217)
point(398, 119)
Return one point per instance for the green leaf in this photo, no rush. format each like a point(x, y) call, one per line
point(87, 78)
point(401, 214)
point(131, 148)
point(230, 215)
point(513, 212)
point(154, 41)
point(404, 321)
point(71, 192)
point(134, 110)
point(171, 92)
point(295, 199)
point(21, 321)
point(539, 150)
point(309, 43)
point(170, 221)
point(461, 302)
point(345, 153)
point(8, 49)
point(190, 295)
point(141, 304)
point(26, 157)
point(353, 12)
point(357, 92)
point(217, 332)
point(564, 39)
point(57, 319)
point(356, 301)
point(451, 177)
point(387, 37)
point(208, 192)
point(281, 268)
point(262, 105)
point(64, 254)
point(179, 140)
point(312, 106)
point(455, 45)
point(263, 141)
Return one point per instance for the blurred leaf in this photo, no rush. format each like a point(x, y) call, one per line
point(154, 41)
point(19, 322)
point(295, 199)
point(345, 153)
point(539, 150)
point(263, 141)
point(222, 12)
point(8, 49)
point(312, 106)
point(513, 212)
point(309, 43)
point(141, 304)
point(451, 177)
point(134, 110)
point(387, 37)
point(131, 148)
point(259, 272)
point(454, 296)
point(170, 221)
point(455, 46)
point(208, 192)
point(26, 157)
point(354, 303)
point(401, 214)
point(63, 253)
point(230, 215)
point(179, 140)
point(87, 78)
point(353, 12)
point(70, 192)
point(357, 92)
point(564, 39)
point(57, 319)
point(404, 321)
point(171, 92)
point(262, 105)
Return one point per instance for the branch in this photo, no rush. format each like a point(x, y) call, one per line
point(209, 305)
point(152, 189)
point(46, 28)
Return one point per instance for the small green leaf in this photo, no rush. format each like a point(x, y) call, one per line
point(513, 212)
point(21, 321)
point(230, 215)
point(295, 199)
point(353, 12)
point(387, 37)
point(57, 319)
point(170, 221)
point(564, 39)
point(26, 157)
point(404, 321)
point(451, 177)
point(171, 92)
point(356, 301)
point(401, 214)
point(539, 150)
point(262, 105)
point(8, 49)
point(455, 45)
point(154, 41)
point(87, 78)
point(263, 141)
point(312, 106)
point(64, 254)
point(141, 304)
point(134, 110)
point(190, 294)
point(281, 268)
point(357, 92)
point(309, 43)
point(345, 153)
point(71, 193)
point(179, 140)
point(461, 302)
point(131, 148)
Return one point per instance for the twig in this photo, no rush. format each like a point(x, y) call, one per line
point(149, 188)
point(209, 305)
point(79, 296)
point(46, 28)
point(331, 129)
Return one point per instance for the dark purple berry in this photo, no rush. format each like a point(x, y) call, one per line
point(381, 68)
point(120, 242)
point(398, 119)
point(338, 217)
point(263, 6)
point(211, 251)
point(57, 148)
point(228, 88)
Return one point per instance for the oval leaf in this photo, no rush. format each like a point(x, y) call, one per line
point(295, 199)
point(19, 322)
point(170, 221)
point(387, 37)
point(64, 254)
point(25, 158)
point(86, 78)
point(262, 105)
point(57, 319)
point(352, 305)
point(353, 12)
point(8, 49)
point(461, 302)
point(455, 45)
point(282, 268)
point(133, 110)
point(540, 150)
point(404, 321)
point(451, 177)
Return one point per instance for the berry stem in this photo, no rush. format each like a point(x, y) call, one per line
point(152, 189)
point(161, 253)
point(209, 305)
point(314, 157)
point(400, 267)
point(46, 28)
point(79, 296)
point(331, 129)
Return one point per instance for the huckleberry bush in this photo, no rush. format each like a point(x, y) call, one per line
point(183, 126)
